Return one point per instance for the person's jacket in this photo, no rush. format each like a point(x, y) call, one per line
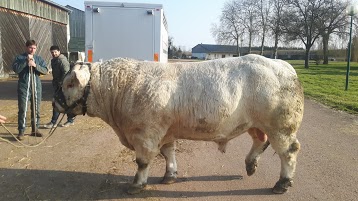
point(20, 66)
point(60, 66)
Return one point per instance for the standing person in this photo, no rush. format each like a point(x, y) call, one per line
point(21, 66)
point(60, 67)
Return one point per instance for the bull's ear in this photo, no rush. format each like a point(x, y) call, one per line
point(79, 78)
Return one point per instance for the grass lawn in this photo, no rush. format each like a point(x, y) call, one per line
point(326, 84)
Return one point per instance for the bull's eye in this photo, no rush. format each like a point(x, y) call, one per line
point(70, 86)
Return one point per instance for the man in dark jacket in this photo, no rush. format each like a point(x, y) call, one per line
point(60, 66)
point(21, 66)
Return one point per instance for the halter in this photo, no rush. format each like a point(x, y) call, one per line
point(60, 97)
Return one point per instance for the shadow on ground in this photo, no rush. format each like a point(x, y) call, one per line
point(8, 89)
point(19, 184)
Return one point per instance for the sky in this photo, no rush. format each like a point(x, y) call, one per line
point(189, 21)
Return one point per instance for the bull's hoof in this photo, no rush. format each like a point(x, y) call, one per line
point(251, 167)
point(135, 189)
point(282, 186)
point(169, 178)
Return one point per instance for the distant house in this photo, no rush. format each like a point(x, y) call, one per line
point(206, 51)
point(41, 20)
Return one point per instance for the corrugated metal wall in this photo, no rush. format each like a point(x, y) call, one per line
point(60, 36)
point(77, 30)
point(41, 32)
point(14, 29)
point(37, 8)
point(17, 27)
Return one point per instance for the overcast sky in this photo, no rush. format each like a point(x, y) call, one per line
point(189, 21)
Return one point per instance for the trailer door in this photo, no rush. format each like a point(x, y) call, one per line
point(123, 32)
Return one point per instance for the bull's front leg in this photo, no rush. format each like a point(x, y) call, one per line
point(145, 153)
point(168, 151)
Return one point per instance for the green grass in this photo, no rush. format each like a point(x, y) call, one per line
point(326, 84)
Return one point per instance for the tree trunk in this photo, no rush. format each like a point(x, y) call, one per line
point(237, 47)
point(275, 47)
point(325, 39)
point(307, 57)
point(262, 43)
point(250, 41)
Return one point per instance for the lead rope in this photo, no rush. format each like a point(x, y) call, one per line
point(26, 145)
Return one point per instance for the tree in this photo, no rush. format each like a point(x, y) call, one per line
point(332, 19)
point(170, 47)
point(301, 21)
point(264, 8)
point(230, 29)
point(250, 16)
point(173, 51)
point(275, 23)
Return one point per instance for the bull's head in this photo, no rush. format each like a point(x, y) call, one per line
point(72, 96)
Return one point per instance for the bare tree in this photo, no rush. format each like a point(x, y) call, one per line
point(301, 20)
point(230, 29)
point(332, 19)
point(170, 47)
point(250, 17)
point(264, 8)
point(275, 22)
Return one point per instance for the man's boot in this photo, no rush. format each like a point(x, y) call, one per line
point(21, 135)
point(36, 133)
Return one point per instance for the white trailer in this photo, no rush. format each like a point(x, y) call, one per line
point(133, 30)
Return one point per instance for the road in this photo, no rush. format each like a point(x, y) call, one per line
point(87, 162)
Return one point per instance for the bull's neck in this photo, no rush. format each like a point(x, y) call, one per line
point(100, 101)
point(93, 105)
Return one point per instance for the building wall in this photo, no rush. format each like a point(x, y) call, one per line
point(210, 56)
point(218, 55)
point(77, 30)
point(199, 55)
point(37, 8)
point(17, 27)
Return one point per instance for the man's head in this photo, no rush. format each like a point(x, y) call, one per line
point(31, 47)
point(55, 51)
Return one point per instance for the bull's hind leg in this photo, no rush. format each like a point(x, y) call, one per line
point(168, 151)
point(259, 145)
point(287, 147)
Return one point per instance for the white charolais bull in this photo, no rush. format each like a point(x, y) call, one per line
point(150, 105)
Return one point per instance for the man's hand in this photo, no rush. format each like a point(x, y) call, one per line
point(2, 119)
point(30, 59)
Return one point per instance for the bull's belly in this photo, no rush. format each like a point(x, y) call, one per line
point(205, 134)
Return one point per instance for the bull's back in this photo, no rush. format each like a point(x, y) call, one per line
point(221, 97)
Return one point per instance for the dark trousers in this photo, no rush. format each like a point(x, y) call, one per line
point(24, 96)
point(55, 115)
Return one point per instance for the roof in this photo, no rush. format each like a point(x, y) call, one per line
point(73, 8)
point(206, 48)
point(123, 4)
point(56, 5)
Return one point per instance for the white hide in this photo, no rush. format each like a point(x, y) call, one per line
point(150, 105)
point(211, 100)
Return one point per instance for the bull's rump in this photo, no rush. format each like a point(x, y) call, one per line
point(205, 100)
